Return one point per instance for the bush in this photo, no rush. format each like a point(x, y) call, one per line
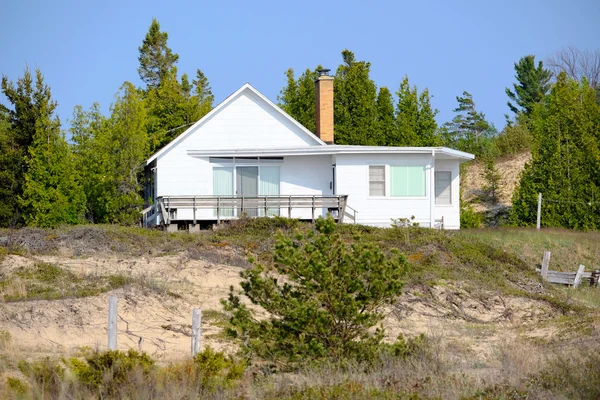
point(469, 218)
point(325, 306)
point(108, 371)
point(514, 139)
point(46, 376)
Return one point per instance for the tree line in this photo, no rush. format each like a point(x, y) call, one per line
point(97, 176)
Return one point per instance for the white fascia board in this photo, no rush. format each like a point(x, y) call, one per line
point(222, 105)
point(331, 149)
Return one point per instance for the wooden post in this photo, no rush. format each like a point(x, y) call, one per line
point(539, 212)
point(595, 278)
point(290, 207)
point(194, 210)
point(112, 323)
point(196, 331)
point(545, 264)
point(313, 209)
point(218, 210)
point(266, 213)
point(578, 276)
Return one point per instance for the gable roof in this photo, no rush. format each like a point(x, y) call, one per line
point(222, 105)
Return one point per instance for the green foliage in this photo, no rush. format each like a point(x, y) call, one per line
point(218, 370)
point(17, 386)
point(46, 374)
point(46, 281)
point(107, 371)
point(514, 139)
point(415, 119)
point(355, 106)
point(156, 58)
point(325, 306)
point(297, 98)
point(469, 130)
point(565, 160)
point(51, 193)
point(468, 217)
point(532, 85)
point(386, 124)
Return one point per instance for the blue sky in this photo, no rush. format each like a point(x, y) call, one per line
point(86, 50)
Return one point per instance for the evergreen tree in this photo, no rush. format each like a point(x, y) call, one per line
point(298, 97)
point(10, 171)
point(87, 128)
point(123, 146)
point(51, 193)
point(469, 130)
point(532, 85)
point(156, 58)
point(565, 160)
point(386, 127)
point(493, 181)
point(415, 119)
point(355, 103)
point(172, 108)
point(332, 297)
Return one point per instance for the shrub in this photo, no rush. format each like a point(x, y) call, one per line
point(324, 296)
point(514, 139)
point(107, 371)
point(469, 218)
point(46, 376)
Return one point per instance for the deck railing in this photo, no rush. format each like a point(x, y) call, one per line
point(227, 207)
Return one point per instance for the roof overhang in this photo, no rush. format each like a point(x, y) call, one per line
point(444, 152)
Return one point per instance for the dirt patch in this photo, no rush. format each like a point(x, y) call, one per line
point(510, 169)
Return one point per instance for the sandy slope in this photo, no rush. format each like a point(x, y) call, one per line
point(159, 310)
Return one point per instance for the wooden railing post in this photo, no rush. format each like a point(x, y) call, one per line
point(266, 207)
point(545, 264)
point(313, 209)
point(289, 206)
point(218, 209)
point(194, 210)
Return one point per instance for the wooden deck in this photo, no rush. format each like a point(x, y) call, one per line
point(231, 207)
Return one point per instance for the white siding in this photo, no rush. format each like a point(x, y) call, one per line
point(353, 179)
point(451, 213)
point(189, 176)
point(246, 122)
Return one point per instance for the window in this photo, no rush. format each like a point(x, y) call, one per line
point(377, 180)
point(443, 192)
point(407, 181)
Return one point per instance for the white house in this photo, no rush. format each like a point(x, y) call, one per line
point(248, 156)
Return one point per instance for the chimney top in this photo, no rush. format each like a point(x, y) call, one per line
point(323, 72)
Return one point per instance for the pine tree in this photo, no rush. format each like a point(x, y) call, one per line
point(532, 85)
point(355, 102)
point(386, 126)
point(565, 160)
point(87, 128)
point(156, 58)
point(123, 145)
point(469, 130)
point(415, 119)
point(51, 193)
point(203, 93)
point(493, 181)
point(10, 171)
point(298, 97)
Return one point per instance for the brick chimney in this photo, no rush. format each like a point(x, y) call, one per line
point(324, 106)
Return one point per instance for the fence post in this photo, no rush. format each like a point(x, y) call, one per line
point(545, 264)
point(579, 275)
point(539, 211)
point(112, 323)
point(595, 278)
point(196, 331)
